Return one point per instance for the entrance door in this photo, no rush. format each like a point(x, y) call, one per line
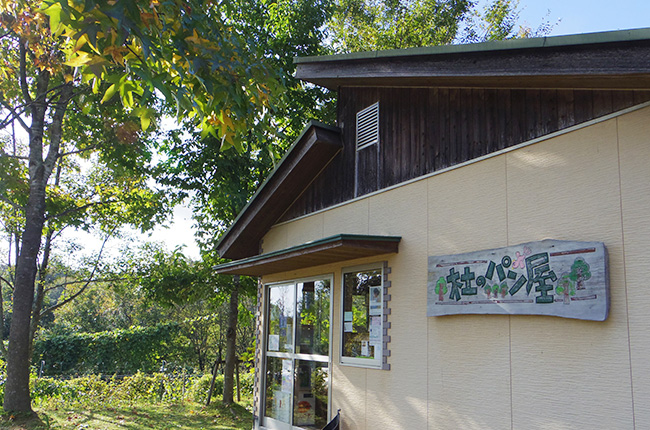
point(297, 372)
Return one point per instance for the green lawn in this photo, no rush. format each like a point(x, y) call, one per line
point(136, 417)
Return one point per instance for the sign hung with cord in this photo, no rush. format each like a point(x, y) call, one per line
point(551, 277)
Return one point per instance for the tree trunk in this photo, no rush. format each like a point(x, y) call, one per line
point(17, 396)
point(231, 344)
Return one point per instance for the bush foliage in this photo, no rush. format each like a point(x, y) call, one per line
point(124, 351)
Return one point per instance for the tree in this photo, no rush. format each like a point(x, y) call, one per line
point(221, 182)
point(367, 25)
point(71, 60)
point(580, 272)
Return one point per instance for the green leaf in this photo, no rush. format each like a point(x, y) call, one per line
point(146, 115)
point(54, 12)
point(110, 92)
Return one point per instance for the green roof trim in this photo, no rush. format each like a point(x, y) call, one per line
point(501, 45)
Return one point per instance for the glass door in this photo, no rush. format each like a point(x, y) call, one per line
point(297, 373)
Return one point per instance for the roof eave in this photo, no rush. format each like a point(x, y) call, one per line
point(611, 60)
point(316, 146)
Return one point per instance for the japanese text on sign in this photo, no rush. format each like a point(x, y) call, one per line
point(561, 278)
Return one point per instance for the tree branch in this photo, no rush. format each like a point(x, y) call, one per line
point(23, 72)
point(14, 115)
point(14, 205)
point(79, 208)
point(80, 151)
point(16, 157)
point(92, 281)
point(6, 281)
point(56, 129)
point(87, 282)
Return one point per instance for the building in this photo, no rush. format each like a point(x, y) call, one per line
point(452, 150)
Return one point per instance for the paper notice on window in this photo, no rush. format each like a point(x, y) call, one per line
point(347, 327)
point(287, 376)
point(274, 342)
point(375, 301)
point(375, 334)
point(364, 348)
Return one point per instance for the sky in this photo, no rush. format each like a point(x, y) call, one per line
point(584, 16)
point(568, 17)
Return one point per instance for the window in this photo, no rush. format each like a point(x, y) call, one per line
point(296, 392)
point(363, 309)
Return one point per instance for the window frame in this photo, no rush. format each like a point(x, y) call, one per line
point(268, 422)
point(377, 361)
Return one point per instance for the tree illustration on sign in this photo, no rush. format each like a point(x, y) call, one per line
point(441, 288)
point(496, 289)
point(580, 272)
point(488, 290)
point(566, 287)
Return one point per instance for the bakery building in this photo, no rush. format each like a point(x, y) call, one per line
point(466, 247)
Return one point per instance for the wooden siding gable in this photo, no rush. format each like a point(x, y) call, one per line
point(424, 130)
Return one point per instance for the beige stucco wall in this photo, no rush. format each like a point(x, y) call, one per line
point(493, 371)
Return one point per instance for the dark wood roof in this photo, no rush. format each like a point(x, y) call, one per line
point(310, 153)
point(324, 251)
point(608, 60)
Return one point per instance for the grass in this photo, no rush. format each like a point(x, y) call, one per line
point(185, 415)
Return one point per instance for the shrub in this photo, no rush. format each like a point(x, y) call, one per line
point(109, 352)
point(199, 390)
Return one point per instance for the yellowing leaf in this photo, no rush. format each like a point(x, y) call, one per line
point(146, 115)
point(81, 59)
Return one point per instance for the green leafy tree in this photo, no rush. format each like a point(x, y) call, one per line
point(441, 288)
point(281, 29)
point(566, 287)
point(499, 20)
point(75, 71)
point(368, 25)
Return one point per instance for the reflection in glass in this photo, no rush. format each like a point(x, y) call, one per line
point(279, 383)
point(310, 394)
point(313, 308)
point(281, 316)
point(362, 310)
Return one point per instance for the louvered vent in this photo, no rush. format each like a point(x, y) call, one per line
point(368, 126)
